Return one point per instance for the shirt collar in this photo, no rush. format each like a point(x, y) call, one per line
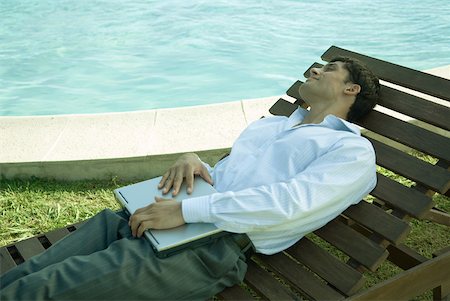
point(330, 121)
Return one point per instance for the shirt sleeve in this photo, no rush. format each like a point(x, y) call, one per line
point(339, 178)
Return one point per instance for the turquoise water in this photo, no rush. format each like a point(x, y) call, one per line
point(90, 56)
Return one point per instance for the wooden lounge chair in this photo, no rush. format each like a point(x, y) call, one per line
point(367, 233)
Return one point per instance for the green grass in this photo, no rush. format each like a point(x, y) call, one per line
point(32, 207)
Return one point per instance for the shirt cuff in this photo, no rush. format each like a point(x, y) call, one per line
point(196, 210)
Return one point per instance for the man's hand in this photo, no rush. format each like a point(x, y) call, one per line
point(186, 167)
point(163, 214)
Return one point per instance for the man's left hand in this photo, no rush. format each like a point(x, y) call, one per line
point(163, 214)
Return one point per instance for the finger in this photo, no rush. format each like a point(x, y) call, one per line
point(206, 176)
point(144, 226)
point(190, 180)
point(163, 179)
point(169, 182)
point(177, 181)
point(134, 222)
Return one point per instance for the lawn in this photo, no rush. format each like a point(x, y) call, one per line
point(36, 206)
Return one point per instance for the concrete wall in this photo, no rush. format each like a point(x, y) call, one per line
point(127, 169)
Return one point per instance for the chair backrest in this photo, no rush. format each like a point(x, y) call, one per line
point(364, 231)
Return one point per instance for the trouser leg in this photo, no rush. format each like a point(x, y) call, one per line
point(128, 269)
point(97, 234)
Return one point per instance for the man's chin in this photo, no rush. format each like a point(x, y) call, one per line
point(302, 91)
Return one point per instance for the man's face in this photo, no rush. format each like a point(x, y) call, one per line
point(326, 83)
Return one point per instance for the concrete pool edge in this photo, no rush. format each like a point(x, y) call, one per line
point(129, 145)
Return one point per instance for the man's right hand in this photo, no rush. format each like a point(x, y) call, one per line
point(186, 167)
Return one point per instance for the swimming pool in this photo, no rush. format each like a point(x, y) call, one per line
point(90, 56)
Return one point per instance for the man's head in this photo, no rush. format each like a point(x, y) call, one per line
point(343, 81)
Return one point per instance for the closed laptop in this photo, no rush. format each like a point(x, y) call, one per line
point(169, 241)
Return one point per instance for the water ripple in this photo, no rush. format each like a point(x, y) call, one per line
point(93, 56)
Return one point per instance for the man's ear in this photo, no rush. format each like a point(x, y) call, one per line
point(352, 89)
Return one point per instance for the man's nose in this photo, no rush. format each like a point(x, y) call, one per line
point(314, 71)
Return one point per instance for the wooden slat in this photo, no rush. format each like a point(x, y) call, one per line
point(410, 78)
point(353, 243)
point(32, 246)
point(415, 107)
point(410, 283)
point(6, 261)
point(438, 216)
point(402, 102)
point(55, 235)
point(378, 221)
point(235, 293)
point(343, 277)
point(293, 90)
point(29, 247)
point(408, 134)
point(401, 197)
point(299, 277)
point(283, 108)
point(264, 283)
point(433, 177)
point(405, 257)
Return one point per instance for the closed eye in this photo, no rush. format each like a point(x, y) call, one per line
point(329, 67)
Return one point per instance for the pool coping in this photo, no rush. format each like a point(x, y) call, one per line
point(127, 145)
point(98, 146)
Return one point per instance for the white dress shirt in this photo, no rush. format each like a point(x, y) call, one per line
point(282, 180)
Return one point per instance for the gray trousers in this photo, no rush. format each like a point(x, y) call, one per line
point(102, 260)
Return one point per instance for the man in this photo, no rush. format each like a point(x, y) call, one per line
point(284, 178)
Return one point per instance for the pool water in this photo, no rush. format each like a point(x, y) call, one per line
point(91, 56)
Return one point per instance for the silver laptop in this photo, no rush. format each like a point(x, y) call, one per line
point(169, 241)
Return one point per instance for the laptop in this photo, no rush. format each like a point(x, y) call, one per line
point(169, 241)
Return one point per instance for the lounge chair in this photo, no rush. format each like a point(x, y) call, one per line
point(367, 233)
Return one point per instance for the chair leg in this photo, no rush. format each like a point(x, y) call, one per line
point(442, 293)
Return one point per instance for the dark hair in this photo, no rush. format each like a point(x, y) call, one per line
point(367, 98)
